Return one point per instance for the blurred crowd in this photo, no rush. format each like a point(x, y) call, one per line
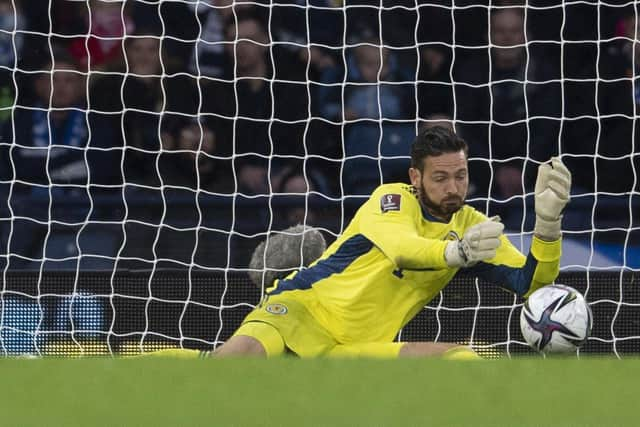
point(296, 96)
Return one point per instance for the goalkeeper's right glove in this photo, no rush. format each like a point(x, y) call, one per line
point(480, 242)
point(553, 185)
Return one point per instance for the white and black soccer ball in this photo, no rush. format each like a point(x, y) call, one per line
point(556, 319)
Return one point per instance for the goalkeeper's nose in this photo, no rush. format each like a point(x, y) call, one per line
point(450, 189)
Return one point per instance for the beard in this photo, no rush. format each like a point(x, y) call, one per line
point(445, 209)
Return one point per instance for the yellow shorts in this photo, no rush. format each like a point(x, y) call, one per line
point(301, 333)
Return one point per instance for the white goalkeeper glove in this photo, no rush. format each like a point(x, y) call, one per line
point(480, 242)
point(553, 185)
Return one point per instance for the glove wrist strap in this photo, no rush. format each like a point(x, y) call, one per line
point(454, 255)
point(549, 230)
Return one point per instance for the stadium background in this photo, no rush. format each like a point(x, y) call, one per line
point(178, 148)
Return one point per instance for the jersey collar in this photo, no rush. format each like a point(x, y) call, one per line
point(427, 216)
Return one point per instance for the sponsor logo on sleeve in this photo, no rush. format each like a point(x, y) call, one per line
point(390, 202)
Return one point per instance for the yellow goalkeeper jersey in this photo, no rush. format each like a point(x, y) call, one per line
point(389, 263)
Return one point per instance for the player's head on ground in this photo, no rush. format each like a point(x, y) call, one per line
point(439, 171)
point(284, 252)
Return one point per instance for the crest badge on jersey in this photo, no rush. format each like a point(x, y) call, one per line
point(277, 308)
point(390, 202)
point(452, 236)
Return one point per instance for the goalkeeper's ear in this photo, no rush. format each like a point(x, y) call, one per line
point(283, 252)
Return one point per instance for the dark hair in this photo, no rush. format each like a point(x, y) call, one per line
point(435, 141)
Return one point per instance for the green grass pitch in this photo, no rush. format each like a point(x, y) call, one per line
point(253, 392)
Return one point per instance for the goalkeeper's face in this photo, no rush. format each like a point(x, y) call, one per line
point(442, 185)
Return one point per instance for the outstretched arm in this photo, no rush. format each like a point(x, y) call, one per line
point(390, 222)
point(511, 270)
point(553, 185)
point(523, 275)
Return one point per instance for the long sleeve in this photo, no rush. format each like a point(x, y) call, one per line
point(513, 271)
point(389, 220)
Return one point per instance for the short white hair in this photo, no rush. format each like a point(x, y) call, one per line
point(283, 252)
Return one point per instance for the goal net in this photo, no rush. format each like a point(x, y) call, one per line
point(147, 147)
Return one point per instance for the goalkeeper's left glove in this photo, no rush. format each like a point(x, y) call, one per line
point(553, 185)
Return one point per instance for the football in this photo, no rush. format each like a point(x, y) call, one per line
point(555, 319)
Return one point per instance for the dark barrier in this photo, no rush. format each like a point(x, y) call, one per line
point(93, 313)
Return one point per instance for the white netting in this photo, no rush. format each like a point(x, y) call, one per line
point(179, 134)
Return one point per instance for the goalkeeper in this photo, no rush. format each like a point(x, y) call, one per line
point(402, 247)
